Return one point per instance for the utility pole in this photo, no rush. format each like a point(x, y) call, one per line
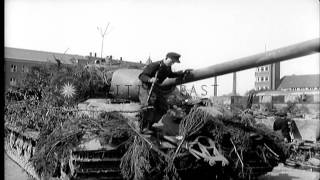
point(102, 36)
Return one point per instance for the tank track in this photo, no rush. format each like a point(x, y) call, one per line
point(95, 164)
point(83, 164)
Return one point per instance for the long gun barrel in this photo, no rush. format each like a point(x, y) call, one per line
point(125, 82)
point(269, 57)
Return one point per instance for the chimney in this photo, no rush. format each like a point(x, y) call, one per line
point(215, 86)
point(120, 58)
point(95, 54)
point(90, 54)
point(234, 90)
point(110, 57)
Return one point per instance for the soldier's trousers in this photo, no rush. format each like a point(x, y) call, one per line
point(157, 100)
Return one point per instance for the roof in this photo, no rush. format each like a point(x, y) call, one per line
point(40, 56)
point(283, 93)
point(300, 81)
point(108, 62)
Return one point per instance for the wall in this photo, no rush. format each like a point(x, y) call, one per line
point(310, 103)
point(308, 108)
point(239, 101)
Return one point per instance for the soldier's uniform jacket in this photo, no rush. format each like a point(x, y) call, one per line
point(282, 123)
point(164, 72)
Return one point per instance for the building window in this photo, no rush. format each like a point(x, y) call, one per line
point(13, 81)
point(13, 68)
point(262, 69)
point(266, 79)
point(262, 79)
point(25, 69)
point(267, 68)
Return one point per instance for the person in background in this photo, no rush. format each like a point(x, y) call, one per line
point(285, 124)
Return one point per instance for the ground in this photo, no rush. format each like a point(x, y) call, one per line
point(286, 173)
point(14, 171)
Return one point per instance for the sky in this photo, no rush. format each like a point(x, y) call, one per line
point(204, 32)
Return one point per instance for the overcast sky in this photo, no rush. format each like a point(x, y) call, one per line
point(204, 32)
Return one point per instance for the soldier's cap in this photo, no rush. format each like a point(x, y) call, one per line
point(174, 56)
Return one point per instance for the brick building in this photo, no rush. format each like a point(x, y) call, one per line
point(304, 83)
point(267, 77)
point(301, 89)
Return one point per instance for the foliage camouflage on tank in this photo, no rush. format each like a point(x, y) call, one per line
point(101, 139)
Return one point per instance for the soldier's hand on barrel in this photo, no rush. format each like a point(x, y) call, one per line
point(180, 73)
point(187, 71)
point(152, 80)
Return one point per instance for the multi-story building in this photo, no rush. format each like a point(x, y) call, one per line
point(19, 61)
point(267, 77)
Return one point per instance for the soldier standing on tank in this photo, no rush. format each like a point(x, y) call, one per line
point(161, 69)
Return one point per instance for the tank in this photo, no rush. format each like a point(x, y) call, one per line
point(115, 115)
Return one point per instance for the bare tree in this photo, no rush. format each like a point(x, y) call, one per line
point(102, 36)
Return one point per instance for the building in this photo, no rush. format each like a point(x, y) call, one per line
point(110, 63)
point(19, 61)
point(304, 90)
point(267, 77)
point(295, 86)
point(305, 83)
